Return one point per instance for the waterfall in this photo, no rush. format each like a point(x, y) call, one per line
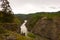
point(24, 28)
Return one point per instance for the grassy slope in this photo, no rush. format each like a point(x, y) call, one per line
point(15, 35)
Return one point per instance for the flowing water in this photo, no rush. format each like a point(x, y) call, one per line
point(24, 28)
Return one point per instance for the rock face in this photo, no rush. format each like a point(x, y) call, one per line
point(48, 28)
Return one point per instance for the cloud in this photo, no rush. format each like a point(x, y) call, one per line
point(30, 6)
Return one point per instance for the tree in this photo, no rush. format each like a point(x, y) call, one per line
point(5, 6)
point(6, 11)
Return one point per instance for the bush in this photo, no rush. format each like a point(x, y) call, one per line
point(31, 35)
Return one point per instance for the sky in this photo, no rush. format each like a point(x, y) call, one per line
point(32, 6)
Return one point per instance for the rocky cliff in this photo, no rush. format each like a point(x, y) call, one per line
point(47, 27)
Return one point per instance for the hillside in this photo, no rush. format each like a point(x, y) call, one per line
point(45, 24)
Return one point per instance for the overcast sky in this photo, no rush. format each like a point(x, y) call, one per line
point(32, 6)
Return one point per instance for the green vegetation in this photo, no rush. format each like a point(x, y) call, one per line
point(31, 35)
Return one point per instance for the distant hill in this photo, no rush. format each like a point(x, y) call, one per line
point(21, 16)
